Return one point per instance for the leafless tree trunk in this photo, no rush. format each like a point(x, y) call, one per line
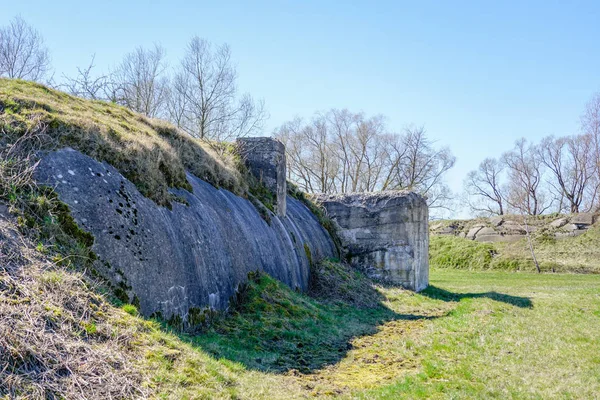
point(525, 172)
point(23, 54)
point(484, 185)
point(571, 161)
point(205, 102)
point(141, 83)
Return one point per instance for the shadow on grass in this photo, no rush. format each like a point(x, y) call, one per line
point(272, 328)
point(276, 329)
point(301, 345)
point(437, 293)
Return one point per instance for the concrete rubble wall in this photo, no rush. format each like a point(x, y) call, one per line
point(511, 228)
point(189, 257)
point(385, 234)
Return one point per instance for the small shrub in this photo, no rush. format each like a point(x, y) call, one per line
point(90, 328)
point(545, 236)
point(130, 309)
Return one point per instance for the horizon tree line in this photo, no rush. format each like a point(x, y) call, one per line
point(339, 151)
point(335, 151)
point(558, 174)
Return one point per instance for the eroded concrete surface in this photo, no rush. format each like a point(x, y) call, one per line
point(192, 256)
point(385, 234)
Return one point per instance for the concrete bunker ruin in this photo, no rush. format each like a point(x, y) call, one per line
point(193, 256)
point(385, 234)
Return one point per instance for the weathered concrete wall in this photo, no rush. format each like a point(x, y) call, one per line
point(511, 228)
point(265, 158)
point(192, 256)
point(385, 234)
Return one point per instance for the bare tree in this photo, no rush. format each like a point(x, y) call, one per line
point(204, 100)
point(423, 167)
point(85, 84)
point(525, 191)
point(340, 152)
point(562, 172)
point(571, 161)
point(177, 104)
point(526, 194)
point(484, 189)
point(335, 152)
point(367, 151)
point(23, 54)
point(311, 160)
point(590, 125)
point(140, 81)
point(342, 124)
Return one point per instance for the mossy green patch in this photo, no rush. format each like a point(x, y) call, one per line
point(308, 254)
point(318, 211)
point(275, 328)
point(130, 309)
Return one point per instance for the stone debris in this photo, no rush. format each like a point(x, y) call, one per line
point(473, 232)
point(512, 228)
point(496, 221)
point(559, 222)
point(583, 219)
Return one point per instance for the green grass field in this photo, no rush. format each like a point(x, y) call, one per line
point(505, 335)
point(470, 335)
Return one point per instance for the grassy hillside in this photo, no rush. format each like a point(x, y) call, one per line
point(573, 254)
point(150, 153)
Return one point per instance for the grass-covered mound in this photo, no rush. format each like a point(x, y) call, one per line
point(453, 252)
point(275, 329)
point(572, 254)
point(151, 153)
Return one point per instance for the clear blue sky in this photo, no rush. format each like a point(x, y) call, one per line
point(477, 74)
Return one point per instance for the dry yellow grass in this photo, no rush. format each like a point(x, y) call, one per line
point(57, 337)
point(151, 153)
